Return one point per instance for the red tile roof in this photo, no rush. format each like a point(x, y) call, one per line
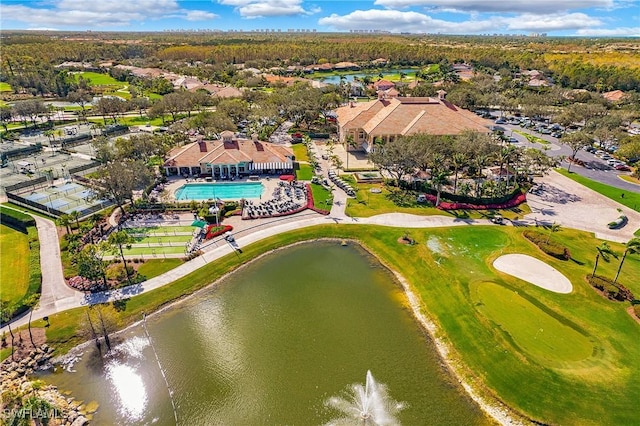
point(405, 116)
point(234, 152)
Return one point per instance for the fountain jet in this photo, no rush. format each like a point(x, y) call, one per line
point(368, 405)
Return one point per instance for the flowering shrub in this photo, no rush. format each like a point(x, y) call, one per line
point(445, 205)
point(213, 231)
point(83, 284)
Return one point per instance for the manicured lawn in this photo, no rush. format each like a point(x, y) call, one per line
point(582, 368)
point(97, 79)
point(5, 87)
point(300, 152)
point(135, 121)
point(631, 199)
point(14, 264)
point(531, 138)
point(303, 171)
point(368, 204)
point(164, 239)
point(159, 230)
point(322, 198)
point(154, 267)
point(159, 250)
point(631, 179)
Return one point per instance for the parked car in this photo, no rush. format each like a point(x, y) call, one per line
point(501, 121)
point(623, 168)
point(557, 135)
point(513, 140)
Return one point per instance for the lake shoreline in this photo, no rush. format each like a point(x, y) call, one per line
point(488, 403)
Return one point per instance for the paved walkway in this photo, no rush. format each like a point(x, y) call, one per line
point(57, 296)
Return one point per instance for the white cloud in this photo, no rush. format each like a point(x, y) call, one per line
point(516, 6)
point(613, 32)
point(265, 8)
point(98, 13)
point(199, 15)
point(399, 21)
point(531, 22)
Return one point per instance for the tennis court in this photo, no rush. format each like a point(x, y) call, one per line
point(67, 197)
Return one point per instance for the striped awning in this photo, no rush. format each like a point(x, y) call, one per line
point(271, 166)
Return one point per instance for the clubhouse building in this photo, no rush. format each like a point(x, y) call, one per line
point(388, 118)
point(229, 157)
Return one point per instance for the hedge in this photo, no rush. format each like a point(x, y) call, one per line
point(613, 291)
point(16, 219)
point(549, 247)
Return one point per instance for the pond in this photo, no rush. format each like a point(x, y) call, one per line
point(374, 75)
point(270, 345)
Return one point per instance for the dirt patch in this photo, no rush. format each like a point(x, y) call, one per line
point(22, 341)
point(633, 314)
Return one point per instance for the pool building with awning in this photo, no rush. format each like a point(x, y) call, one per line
point(229, 157)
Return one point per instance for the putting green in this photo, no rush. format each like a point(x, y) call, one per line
point(530, 328)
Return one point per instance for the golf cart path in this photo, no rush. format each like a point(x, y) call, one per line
point(566, 202)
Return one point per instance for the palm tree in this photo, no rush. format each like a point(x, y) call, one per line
point(479, 162)
point(438, 179)
point(503, 156)
point(75, 216)
point(604, 251)
point(64, 220)
point(633, 247)
point(554, 227)
point(118, 241)
point(350, 143)
point(458, 161)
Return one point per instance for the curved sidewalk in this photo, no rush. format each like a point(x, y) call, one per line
point(58, 297)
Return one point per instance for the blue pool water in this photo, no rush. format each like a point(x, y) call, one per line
point(224, 191)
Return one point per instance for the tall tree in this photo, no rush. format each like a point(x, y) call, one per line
point(118, 179)
point(633, 247)
point(576, 141)
point(605, 252)
point(118, 241)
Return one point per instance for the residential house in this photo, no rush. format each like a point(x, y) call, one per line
point(383, 85)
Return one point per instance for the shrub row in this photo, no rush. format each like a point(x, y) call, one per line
point(445, 205)
point(16, 219)
point(466, 199)
point(613, 291)
point(549, 247)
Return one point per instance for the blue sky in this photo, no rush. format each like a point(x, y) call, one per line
point(554, 17)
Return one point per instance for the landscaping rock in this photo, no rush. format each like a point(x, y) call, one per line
point(80, 421)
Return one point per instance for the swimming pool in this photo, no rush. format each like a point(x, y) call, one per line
point(224, 191)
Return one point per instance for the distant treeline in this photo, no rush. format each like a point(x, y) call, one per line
point(26, 55)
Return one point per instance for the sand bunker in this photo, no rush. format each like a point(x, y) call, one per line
point(534, 271)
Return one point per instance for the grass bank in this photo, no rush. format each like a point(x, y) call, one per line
point(630, 199)
point(385, 200)
point(14, 264)
point(591, 381)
